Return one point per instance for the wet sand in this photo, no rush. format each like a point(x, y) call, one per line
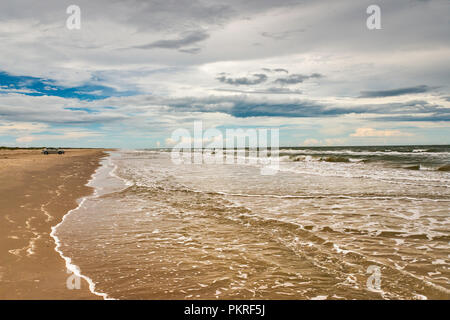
point(36, 192)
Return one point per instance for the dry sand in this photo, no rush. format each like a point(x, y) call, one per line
point(36, 191)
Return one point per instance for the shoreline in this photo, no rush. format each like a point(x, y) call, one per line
point(37, 192)
point(69, 264)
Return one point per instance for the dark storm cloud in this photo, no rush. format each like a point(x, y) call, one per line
point(257, 78)
point(245, 107)
point(404, 109)
point(432, 118)
point(242, 107)
point(299, 109)
point(296, 78)
point(307, 108)
point(395, 92)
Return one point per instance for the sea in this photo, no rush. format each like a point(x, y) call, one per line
point(366, 222)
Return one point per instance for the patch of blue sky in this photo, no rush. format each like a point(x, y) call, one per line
point(88, 110)
point(34, 86)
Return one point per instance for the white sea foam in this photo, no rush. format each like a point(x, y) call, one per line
point(69, 265)
point(113, 173)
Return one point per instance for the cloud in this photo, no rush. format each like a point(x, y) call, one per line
point(433, 117)
point(27, 132)
point(311, 141)
point(296, 78)
point(25, 139)
point(191, 50)
point(245, 109)
point(370, 132)
point(256, 79)
point(245, 106)
point(187, 39)
point(275, 70)
point(21, 127)
point(53, 109)
point(395, 92)
point(271, 90)
point(59, 134)
point(282, 34)
point(324, 142)
point(242, 106)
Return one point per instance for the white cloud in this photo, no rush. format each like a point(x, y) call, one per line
point(311, 142)
point(370, 132)
point(324, 142)
point(25, 139)
point(21, 127)
point(28, 132)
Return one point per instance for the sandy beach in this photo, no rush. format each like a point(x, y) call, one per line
point(36, 192)
point(154, 229)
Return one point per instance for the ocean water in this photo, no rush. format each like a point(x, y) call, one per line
point(314, 230)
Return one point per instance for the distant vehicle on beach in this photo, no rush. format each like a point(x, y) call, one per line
point(52, 150)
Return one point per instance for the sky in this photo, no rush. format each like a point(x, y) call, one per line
point(136, 71)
